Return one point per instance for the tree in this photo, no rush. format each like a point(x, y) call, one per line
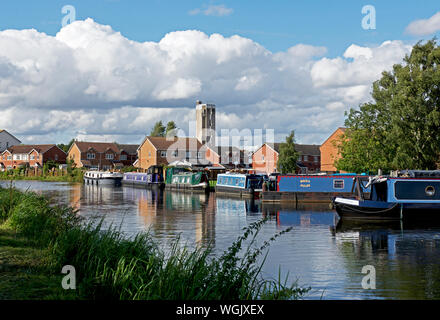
point(158, 130)
point(288, 155)
point(171, 129)
point(400, 129)
point(66, 147)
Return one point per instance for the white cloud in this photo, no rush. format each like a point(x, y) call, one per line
point(89, 81)
point(213, 10)
point(424, 27)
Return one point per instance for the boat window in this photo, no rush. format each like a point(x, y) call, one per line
point(338, 184)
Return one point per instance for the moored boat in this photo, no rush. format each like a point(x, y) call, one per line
point(318, 188)
point(403, 195)
point(243, 185)
point(103, 177)
point(153, 178)
point(195, 181)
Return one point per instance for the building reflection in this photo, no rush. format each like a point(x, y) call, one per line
point(174, 213)
point(406, 258)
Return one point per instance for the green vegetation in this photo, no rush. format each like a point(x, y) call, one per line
point(288, 155)
point(66, 147)
point(49, 172)
point(159, 129)
point(401, 128)
point(40, 239)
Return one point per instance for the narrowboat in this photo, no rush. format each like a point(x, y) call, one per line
point(319, 188)
point(153, 178)
point(401, 195)
point(189, 181)
point(243, 185)
point(102, 177)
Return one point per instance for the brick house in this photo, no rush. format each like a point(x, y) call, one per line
point(7, 140)
point(265, 158)
point(162, 151)
point(227, 156)
point(127, 154)
point(100, 155)
point(329, 151)
point(33, 155)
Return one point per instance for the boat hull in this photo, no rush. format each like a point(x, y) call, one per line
point(103, 181)
point(375, 210)
point(238, 192)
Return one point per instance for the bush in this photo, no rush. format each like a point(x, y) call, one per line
point(34, 218)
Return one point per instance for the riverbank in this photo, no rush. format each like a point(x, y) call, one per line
point(42, 240)
point(74, 177)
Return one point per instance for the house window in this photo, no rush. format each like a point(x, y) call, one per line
point(316, 159)
point(262, 158)
point(188, 154)
point(90, 156)
point(9, 157)
point(306, 158)
point(32, 157)
point(109, 156)
point(123, 157)
point(149, 154)
point(199, 155)
point(338, 184)
point(56, 157)
point(163, 154)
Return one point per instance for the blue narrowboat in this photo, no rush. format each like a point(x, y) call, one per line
point(243, 185)
point(403, 195)
point(152, 179)
point(311, 188)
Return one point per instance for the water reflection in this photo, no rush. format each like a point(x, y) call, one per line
point(406, 258)
point(324, 252)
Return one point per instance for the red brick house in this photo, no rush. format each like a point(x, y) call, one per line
point(33, 155)
point(128, 154)
point(265, 158)
point(228, 156)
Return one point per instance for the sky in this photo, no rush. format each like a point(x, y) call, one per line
point(117, 67)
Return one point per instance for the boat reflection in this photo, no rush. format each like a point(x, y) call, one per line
point(406, 257)
point(291, 215)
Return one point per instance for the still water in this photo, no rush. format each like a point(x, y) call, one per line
point(320, 251)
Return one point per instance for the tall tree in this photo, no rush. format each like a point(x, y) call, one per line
point(158, 130)
point(171, 129)
point(401, 128)
point(288, 155)
point(66, 147)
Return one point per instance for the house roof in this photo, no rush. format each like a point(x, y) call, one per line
point(40, 148)
point(100, 147)
point(225, 150)
point(304, 149)
point(129, 148)
point(163, 143)
point(2, 130)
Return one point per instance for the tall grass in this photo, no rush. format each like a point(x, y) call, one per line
point(110, 266)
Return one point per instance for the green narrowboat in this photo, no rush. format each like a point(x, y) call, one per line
point(185, 180)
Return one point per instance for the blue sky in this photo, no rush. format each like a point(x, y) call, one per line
point(277, 25)
point(295, 65)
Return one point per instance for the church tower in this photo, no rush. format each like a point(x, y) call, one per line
point(205, 123)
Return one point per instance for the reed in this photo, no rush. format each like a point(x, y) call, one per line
point(111, 266)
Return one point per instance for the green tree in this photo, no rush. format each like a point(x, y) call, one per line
point(288, 155)
point(400, 129)
point(158, 130)
point(66, 147)
point(171, 129)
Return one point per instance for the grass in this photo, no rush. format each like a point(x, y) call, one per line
point(76, 175)
point(37, 240)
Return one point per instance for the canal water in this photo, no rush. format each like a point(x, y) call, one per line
point(320, 251)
